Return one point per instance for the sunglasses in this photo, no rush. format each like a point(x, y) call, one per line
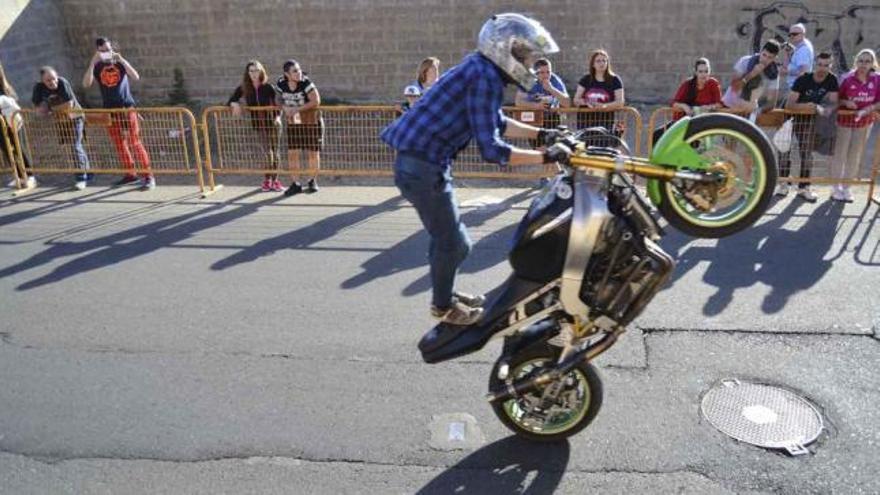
point(794, 34)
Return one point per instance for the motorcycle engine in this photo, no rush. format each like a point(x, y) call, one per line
point(627, 268)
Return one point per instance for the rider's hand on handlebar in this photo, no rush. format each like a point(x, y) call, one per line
point(558, 153)
point(546, 137)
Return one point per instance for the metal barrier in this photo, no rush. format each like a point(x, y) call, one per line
point(254, 142)
point(809, 159)
point(161, 141)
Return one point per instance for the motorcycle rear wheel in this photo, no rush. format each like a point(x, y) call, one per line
point(573, 410)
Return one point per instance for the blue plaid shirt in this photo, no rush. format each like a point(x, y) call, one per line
point(464, 103)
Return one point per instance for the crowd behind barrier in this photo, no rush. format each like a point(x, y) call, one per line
point(254, 142)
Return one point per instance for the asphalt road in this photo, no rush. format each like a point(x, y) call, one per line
point(251, 343)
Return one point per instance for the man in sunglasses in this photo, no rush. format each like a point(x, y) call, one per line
point(800, 60)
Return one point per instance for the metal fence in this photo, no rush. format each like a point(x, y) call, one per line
point(158, 141)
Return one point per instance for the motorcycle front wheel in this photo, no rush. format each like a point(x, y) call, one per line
point(554, 411)
point(739, 150)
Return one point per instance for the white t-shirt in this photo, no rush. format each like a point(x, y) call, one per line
point(9, 106)
point(741, 68)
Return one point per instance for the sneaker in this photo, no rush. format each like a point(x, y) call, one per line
point(148, 183)
point(457, 314)
point(277, 186)
point(807, 195)
point(31, 182)
point(80, 185)
point(267, 185)
point(12, 183)
point(846, 193)
point(312, 186)
point(782, 189)
point(295, 188)
point(471, 300)
point(837, 193)
point(127, 179)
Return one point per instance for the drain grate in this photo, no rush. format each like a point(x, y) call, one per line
point(762, 415)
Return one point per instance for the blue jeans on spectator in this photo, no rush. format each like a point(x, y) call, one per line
point(79, 152)
point(428, 186)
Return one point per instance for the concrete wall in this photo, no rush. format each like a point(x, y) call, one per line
point(359, 50)
point(32, 34)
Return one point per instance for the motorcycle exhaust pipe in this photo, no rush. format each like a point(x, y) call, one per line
point(513, 390)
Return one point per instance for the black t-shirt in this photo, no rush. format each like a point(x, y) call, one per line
point(296, 96)
point(264, 96)
point(113, 81)
point(60, 95)
point(809, 91)
point(600, 91)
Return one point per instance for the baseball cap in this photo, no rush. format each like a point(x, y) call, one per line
point(412, 90)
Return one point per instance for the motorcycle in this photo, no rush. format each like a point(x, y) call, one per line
point(586, 262)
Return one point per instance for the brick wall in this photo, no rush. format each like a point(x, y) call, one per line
point(366, 51)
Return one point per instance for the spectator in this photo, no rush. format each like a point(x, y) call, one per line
point(600, 89)
point(699, 93)
point(548, 93)
point(859, 91)
point(411, 95)
point(54, 95)
point(808, 93)
point(8, 107)
point(305, 129)
point(469, 98)
point(255, 90)
point(113, 73)
point(754, 75)
point(800, 61)
point(427, 75)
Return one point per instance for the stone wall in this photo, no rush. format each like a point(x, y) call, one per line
point(366, 51)
point(32, 34)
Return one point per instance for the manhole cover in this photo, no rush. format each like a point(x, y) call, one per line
point(762, 415)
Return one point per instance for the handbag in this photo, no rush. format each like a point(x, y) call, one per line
point(782, 138)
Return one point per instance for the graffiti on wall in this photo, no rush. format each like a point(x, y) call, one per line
point(842, 34)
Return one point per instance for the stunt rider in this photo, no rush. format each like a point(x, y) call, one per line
point(465, 103)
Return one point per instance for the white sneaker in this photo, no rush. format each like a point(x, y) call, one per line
point(782, 189)
point(12, 183)
point(31, 182)
point(80, 185)
point(807, 195)
point(148, 183)
point(837, 193)
point(847, 194)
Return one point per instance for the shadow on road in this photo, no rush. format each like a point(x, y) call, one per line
point(511, 465)
point(788, 261)
point(412, 252)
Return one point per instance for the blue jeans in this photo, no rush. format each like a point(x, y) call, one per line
point(79, 152)
point(428, 186)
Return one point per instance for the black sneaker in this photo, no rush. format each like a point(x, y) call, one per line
point(312, 186)
point(295, 188)
point(127, 179)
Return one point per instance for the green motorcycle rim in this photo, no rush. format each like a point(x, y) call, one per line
point(751, 191)
point(560, 422)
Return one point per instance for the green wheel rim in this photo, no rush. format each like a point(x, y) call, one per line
point(560, 422)
point(748, 201)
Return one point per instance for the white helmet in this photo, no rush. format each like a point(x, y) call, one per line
point(513, 42)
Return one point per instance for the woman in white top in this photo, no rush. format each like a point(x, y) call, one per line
point(9, 107)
